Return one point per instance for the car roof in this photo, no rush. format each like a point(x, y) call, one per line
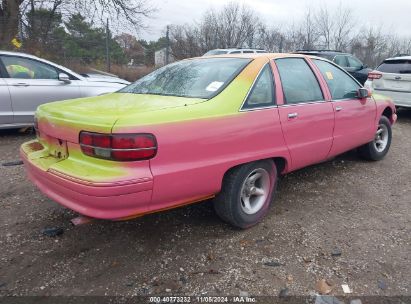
point(332, 53)
point(18, 54)
point(258, 55)
point(237, 49)
point(399, 58)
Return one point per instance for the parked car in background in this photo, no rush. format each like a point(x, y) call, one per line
point(392, 78)
point(347, 61)
point(215, 127)
point(233, 51)
point(27, 81)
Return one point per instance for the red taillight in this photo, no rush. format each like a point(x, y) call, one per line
point(119, 147)
point(374, 75)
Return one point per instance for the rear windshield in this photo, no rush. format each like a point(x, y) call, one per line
point(197, 78)
point(400, 66)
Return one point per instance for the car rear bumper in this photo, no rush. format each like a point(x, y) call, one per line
point(112, 201)
point(401, 99)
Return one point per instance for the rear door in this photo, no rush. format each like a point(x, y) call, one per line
point(307, 120)
point(354, 117)
point(32, 83)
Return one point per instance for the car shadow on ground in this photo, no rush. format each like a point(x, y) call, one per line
point(404, 114)
point(13, 133)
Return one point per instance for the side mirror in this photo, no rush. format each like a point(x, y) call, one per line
point(363, 93)
point(64, 77)
point(364, 66)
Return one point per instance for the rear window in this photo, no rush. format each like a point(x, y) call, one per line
point(395, 66)
point(196, 78)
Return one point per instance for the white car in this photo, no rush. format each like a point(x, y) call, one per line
point(27, 81)
point(392, 78)
point(233, 51)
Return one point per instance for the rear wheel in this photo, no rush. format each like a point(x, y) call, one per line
point(378, 148)
point(246, 193)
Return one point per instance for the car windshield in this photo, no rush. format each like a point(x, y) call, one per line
point(197, 78)
point(216, 52)
point(401, 66)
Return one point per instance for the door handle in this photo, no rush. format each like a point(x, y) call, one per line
point(292, 115)
point(338, 109)
point(21, 84)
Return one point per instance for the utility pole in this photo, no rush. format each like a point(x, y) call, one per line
point(107, 47)
point(281, 43)
point(20, 28)
point(168, 44)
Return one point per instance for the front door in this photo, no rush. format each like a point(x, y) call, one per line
point(354, 117)
point(307, 120)
point(32, 83)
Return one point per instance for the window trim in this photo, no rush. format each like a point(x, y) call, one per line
point(58, 71)
point(3, 70)
point(285, 103)
point(274, 102)
point(341, 69)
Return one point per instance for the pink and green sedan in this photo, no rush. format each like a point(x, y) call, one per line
point(221, 127)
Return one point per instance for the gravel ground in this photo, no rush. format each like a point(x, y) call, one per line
point(346, 221)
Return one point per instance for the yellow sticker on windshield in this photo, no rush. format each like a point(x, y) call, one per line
point(329, 75)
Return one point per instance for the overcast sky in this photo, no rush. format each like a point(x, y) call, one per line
point(394, 15)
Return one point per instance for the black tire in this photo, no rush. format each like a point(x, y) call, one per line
point(369, 151)
point(229, 205)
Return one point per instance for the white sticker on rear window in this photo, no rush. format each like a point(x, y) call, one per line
point(214, 86)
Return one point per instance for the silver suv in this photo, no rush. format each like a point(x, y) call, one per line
point(27, 81)
point(392, 78)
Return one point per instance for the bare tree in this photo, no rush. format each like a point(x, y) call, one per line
point(270, 39)
point(344, 23)
point(234, 26)
point(122, 13)
point(308, 30)
point(237, 25)
point(325, 26)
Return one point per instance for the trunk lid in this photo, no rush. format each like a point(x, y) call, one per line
point(396, 75)
point(65, 119)
point(394, 82)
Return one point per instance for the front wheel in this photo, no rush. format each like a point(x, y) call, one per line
point(246, 193)
point(378, 148)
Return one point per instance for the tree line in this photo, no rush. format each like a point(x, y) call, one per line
point(239, 26)
point(76, 30)
point(66, 30)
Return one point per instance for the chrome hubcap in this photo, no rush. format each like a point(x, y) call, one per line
point(255, 190)
point(381, 138)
